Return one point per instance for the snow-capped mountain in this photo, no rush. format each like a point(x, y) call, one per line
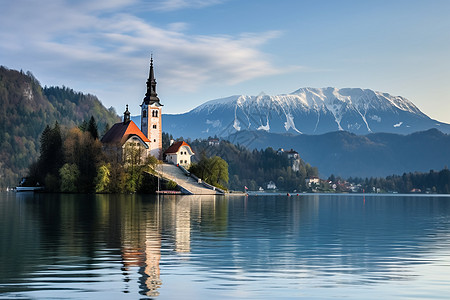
point(307, 110)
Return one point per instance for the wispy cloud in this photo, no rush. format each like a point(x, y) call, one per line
point(103, 43)
point(171, 5)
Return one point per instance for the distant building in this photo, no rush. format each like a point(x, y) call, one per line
point(271, 185)
point(294, 158)
point(179, 153)
point(291, 154)
point(213, 142)
point(312, 181)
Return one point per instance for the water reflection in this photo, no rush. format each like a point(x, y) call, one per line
point(140, 243)
point(144, 222)
point(183, 225)
point(165, 247)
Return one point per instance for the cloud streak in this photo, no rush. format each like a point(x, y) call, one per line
point(171, 5)
point(102, 48)
point(99, 44)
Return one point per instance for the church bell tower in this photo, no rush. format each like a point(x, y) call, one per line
point(151, 110)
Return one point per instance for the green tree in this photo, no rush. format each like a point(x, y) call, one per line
point(166, 140)
point(117, 177)
point(218, 172)
point(212, 170)
point(69, 176)
point(81, 149)
point(51, 158)
point(103, 179)
point(92, 128)
point(83, 126)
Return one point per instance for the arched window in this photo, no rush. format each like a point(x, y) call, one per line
point(144, 113)
point(155, 113)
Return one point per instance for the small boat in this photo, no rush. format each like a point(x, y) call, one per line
point(25, 186)
point(29, 188)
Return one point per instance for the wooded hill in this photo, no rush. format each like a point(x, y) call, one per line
point(26, 108)
point(256, 168)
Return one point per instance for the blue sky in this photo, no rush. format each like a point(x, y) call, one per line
point(208, 49)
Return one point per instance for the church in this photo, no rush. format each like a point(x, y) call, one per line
point(147, 140)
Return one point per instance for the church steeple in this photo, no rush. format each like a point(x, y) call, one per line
point(151, 96)
point(126, 116)
point(151, 112)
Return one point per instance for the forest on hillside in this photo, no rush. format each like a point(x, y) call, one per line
point(253, 168)
point(433, 182)
point(26, 108)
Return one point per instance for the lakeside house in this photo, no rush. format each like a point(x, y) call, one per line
point(271, 185)
point(312, 181)
point(179, 153)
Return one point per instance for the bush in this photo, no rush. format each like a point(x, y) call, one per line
point(171, 185)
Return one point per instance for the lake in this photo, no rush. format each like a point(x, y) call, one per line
point(218, 247)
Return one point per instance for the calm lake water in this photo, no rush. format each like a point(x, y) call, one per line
point(192, 247)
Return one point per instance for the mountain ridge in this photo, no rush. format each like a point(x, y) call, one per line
point(304, 111)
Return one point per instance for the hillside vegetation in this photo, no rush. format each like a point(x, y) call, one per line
point(349, 155)
point(26, 108)
point(257, 168)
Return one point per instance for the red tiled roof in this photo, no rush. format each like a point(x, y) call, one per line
point(176, 146)
point(120, 132)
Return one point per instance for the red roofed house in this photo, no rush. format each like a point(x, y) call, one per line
point(179, 153)
point(126, 135)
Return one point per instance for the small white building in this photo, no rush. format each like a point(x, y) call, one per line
point(213, 142)
point(292, 154)
point(179, 153)
point(271, 185)
point(312, 181)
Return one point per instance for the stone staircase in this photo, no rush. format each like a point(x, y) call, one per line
point(188, 184)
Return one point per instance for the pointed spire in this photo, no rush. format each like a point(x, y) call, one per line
point(126, 116)
point(151, 96)
point(151, 75)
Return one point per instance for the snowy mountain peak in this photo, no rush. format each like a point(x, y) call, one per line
point(312, 111)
